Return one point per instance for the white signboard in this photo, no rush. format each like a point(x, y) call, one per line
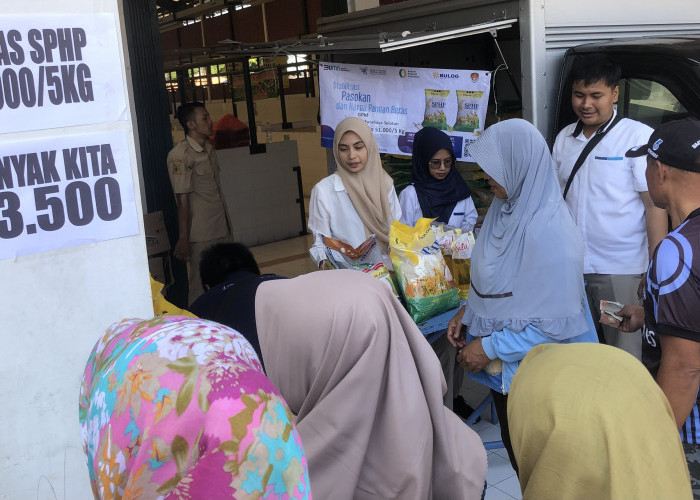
point(397, 102)
point(64, 192)
point(68, 176)
point(59, 70)
point(66, 189)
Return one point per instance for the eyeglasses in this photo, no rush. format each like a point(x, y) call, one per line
point(435, 163)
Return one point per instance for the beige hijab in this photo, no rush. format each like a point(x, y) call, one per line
point(368, 189)
point(588, 421)
point(367, 391)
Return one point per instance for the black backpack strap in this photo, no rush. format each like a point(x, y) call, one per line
point(231, 294)
point(593, 142)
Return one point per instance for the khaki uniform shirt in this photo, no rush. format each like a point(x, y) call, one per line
point(194, 169)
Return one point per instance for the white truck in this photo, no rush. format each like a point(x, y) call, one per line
point(527, 41)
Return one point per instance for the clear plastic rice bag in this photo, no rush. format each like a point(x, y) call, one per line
point(424, 279)
point(445, 236)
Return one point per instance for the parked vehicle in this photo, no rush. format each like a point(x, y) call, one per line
point(529, 40)
point(660, 79)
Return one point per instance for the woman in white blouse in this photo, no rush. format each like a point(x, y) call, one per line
point(356, 201)
point(437, 190)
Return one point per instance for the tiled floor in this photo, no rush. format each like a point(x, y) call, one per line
point(501, 481)
point(287, 258)
point(291, 258)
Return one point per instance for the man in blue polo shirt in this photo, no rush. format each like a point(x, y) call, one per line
point(671, 312)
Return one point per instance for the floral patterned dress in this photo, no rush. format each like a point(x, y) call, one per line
point(179, 408)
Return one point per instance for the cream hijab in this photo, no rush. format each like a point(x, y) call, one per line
point(368, 189)
point(367, 391)
point(588, 421)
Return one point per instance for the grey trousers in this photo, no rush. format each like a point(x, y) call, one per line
point(454, 373)
point(620, 288)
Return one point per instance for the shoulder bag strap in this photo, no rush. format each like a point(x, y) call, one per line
point(593, 142)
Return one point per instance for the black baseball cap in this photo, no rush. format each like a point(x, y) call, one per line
point(675, 143)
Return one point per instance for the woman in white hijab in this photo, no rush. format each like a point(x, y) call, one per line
point(366, 389)
point(527, 265)
point(359, 199)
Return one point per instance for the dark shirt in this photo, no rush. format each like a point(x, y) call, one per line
point(233, 304)
point(672, 301)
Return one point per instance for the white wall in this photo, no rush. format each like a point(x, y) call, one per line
point(55, 305)
point(261, 192)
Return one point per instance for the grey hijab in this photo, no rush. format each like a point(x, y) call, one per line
point(527, 264)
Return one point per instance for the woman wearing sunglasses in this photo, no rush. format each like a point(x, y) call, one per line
point(437, 190)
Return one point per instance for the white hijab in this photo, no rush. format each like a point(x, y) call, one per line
point(527, 265)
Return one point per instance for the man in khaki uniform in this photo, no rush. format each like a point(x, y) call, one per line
point(194, 175)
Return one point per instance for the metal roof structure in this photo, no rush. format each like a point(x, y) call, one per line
point(378, 42)
point(172, 13)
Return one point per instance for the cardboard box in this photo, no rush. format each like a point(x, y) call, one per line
point(160, 269)
point(157, 240)
point(156, 266)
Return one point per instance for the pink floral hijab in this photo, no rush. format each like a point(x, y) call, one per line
point(180, 408)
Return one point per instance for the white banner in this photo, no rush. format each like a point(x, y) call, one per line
point(64, 192)
point(397, 102)
point(58, 71)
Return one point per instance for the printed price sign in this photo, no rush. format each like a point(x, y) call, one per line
point(78, 191)
point(58, 71)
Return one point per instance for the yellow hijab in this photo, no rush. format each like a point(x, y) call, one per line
point(368, 189)
point(588, 421)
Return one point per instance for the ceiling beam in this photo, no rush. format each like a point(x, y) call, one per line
point(174, 20)
point(169, 5)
